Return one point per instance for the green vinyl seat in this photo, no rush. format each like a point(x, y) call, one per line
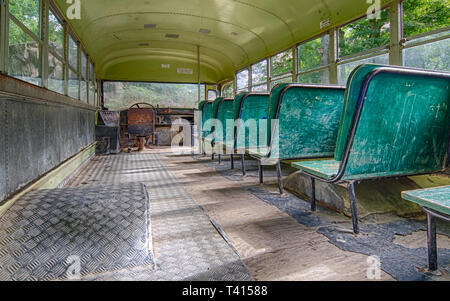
point(199, 123)
point(250, 111)
point(395, 122)
point(437, 199)
point(224, 126)
point(436, 204)
point(303, 123)
point(324, 169)
point(206, 125)
point(210, 113)
point(259, 152)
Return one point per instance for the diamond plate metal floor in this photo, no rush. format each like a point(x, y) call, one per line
point(107, 228)
point(186, 245)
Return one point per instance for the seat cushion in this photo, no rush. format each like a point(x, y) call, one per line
point(260, 152)
point(437, 198)
point(325, 169)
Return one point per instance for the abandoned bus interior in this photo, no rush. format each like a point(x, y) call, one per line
point(225, 140)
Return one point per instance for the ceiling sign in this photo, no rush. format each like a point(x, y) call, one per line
point(185, 71)
point(325, 23)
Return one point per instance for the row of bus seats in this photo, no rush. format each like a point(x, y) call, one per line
point(388, 121)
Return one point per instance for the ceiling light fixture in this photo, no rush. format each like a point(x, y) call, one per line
point(172, 36)
point(205, 30)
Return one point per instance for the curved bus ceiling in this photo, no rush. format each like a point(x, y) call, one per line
point(241, 32)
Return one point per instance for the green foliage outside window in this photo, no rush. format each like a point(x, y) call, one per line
point(121, 95)
point(56, 35)
point(73, 53)
point(364, 34)
point(228, 90)
point(259, 72)
point(282, 63)
point(242, 80)
point(24, 55)
point(421, 16)
point(314, 54)
point(28, 13)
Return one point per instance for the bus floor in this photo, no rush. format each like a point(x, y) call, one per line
point(276, 243)
point(207, 224)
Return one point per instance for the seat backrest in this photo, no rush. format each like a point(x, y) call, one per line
point(305, 120)
point(214, 113)
point(354, 83)
point(224, 115)
point(215, 107)
point(236, 113)
point(206, 116)
point(200, 116)
point(237, 104)
point(404, 123)
point(251, 125)
point(201, 104)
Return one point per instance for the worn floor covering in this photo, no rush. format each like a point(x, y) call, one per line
point(278, 238)
point(78, 232)
point(186, 245)
point(210, 223)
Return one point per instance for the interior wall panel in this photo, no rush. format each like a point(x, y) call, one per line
point(36, 137)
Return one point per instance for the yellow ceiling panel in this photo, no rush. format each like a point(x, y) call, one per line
point(128, 39)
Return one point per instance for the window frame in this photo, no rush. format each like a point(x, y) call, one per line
point(273, 77)
point(9, 17)
point(246, 88)
point(61, 21)
point(327, 67)
point(225, 85)
point(259, 84)
point(366, 54)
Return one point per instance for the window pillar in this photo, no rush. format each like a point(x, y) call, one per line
point(66, 58)
point(4, 39)
point(333, 56)
point(79, 68)
point(45, 40)
point(396, 31)
point(294, 64)
point(250, 81)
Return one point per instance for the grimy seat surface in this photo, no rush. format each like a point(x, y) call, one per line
point(251, 127)
point(235, 115)
point(206, 116)
point(303, 121)
point(200, 108)
point(401, 126)
point(211, 122)
point(224, 128)
point(437, 198)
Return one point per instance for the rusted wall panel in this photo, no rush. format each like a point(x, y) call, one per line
point(25, 147)
point(2, 154)
point(36, 137)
